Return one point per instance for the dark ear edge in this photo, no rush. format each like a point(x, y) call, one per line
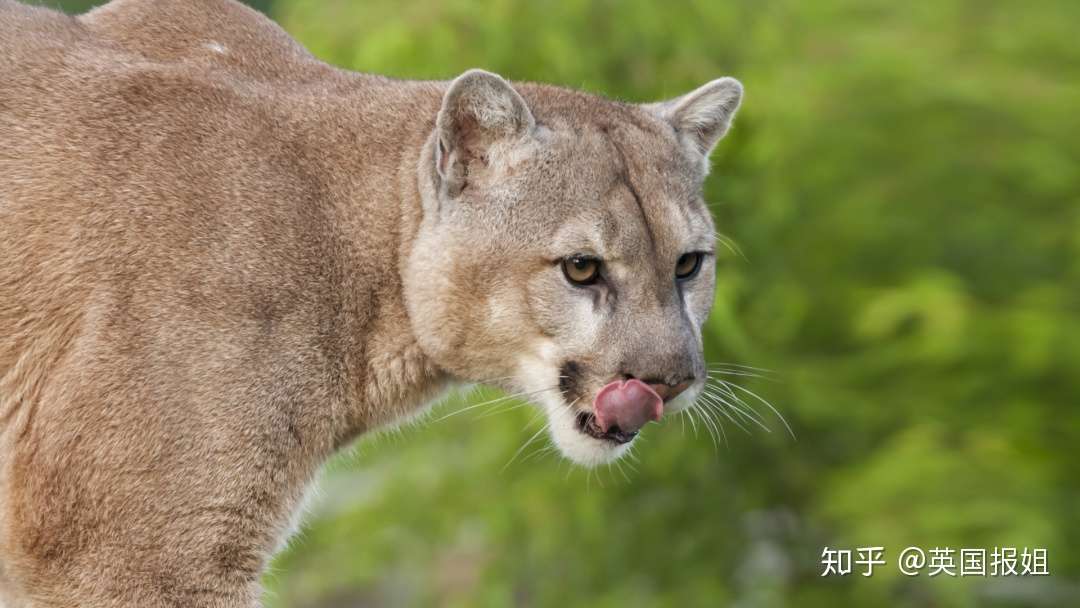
point(478, 110)
point(703, 116)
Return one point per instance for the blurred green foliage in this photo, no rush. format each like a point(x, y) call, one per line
point(904, 180)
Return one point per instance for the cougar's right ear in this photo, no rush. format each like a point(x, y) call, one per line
point(479, 111)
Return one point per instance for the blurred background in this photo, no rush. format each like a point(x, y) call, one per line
point(903, 183)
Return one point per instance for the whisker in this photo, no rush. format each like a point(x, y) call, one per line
point(706, 402)
point(735, 403)
point(622, 472)
point(766, 403)
point(693, 424)
point(710, 419)
point(711, 429)
point(730, 245)
point(749, 414)
point(740, 366)
point(503, 410)
point(494, 401)
point(543, 449)
point(715, 373)
point(724, 393)
point(525, 445)
point(533, 438)
point(474, 406)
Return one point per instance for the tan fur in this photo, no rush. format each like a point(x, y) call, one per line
point(221, 260)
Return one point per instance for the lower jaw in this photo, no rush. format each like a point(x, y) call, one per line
point(586, 424)
point(576, 445)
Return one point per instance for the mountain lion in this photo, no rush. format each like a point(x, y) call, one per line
point(221, 260)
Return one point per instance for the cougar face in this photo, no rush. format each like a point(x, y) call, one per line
point(565, 252)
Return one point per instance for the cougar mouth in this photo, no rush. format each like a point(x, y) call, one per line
point(586, 423)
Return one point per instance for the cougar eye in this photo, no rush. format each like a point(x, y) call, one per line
point(688, 265)
point(581, 270)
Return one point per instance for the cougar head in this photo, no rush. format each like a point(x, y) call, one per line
point(565, 251)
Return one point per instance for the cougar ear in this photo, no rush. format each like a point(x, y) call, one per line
point(702, 116)
point(479, 110)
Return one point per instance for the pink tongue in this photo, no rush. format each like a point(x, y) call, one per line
point(626, 404)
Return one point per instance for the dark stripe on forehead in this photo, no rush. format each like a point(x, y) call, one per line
point(624, 177)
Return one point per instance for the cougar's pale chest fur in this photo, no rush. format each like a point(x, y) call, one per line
point(221, 260)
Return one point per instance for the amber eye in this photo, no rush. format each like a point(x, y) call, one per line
point(581, 270)
point(688, 265)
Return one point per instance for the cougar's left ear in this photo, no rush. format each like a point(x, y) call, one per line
point(702, 116)
point(479, 112)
